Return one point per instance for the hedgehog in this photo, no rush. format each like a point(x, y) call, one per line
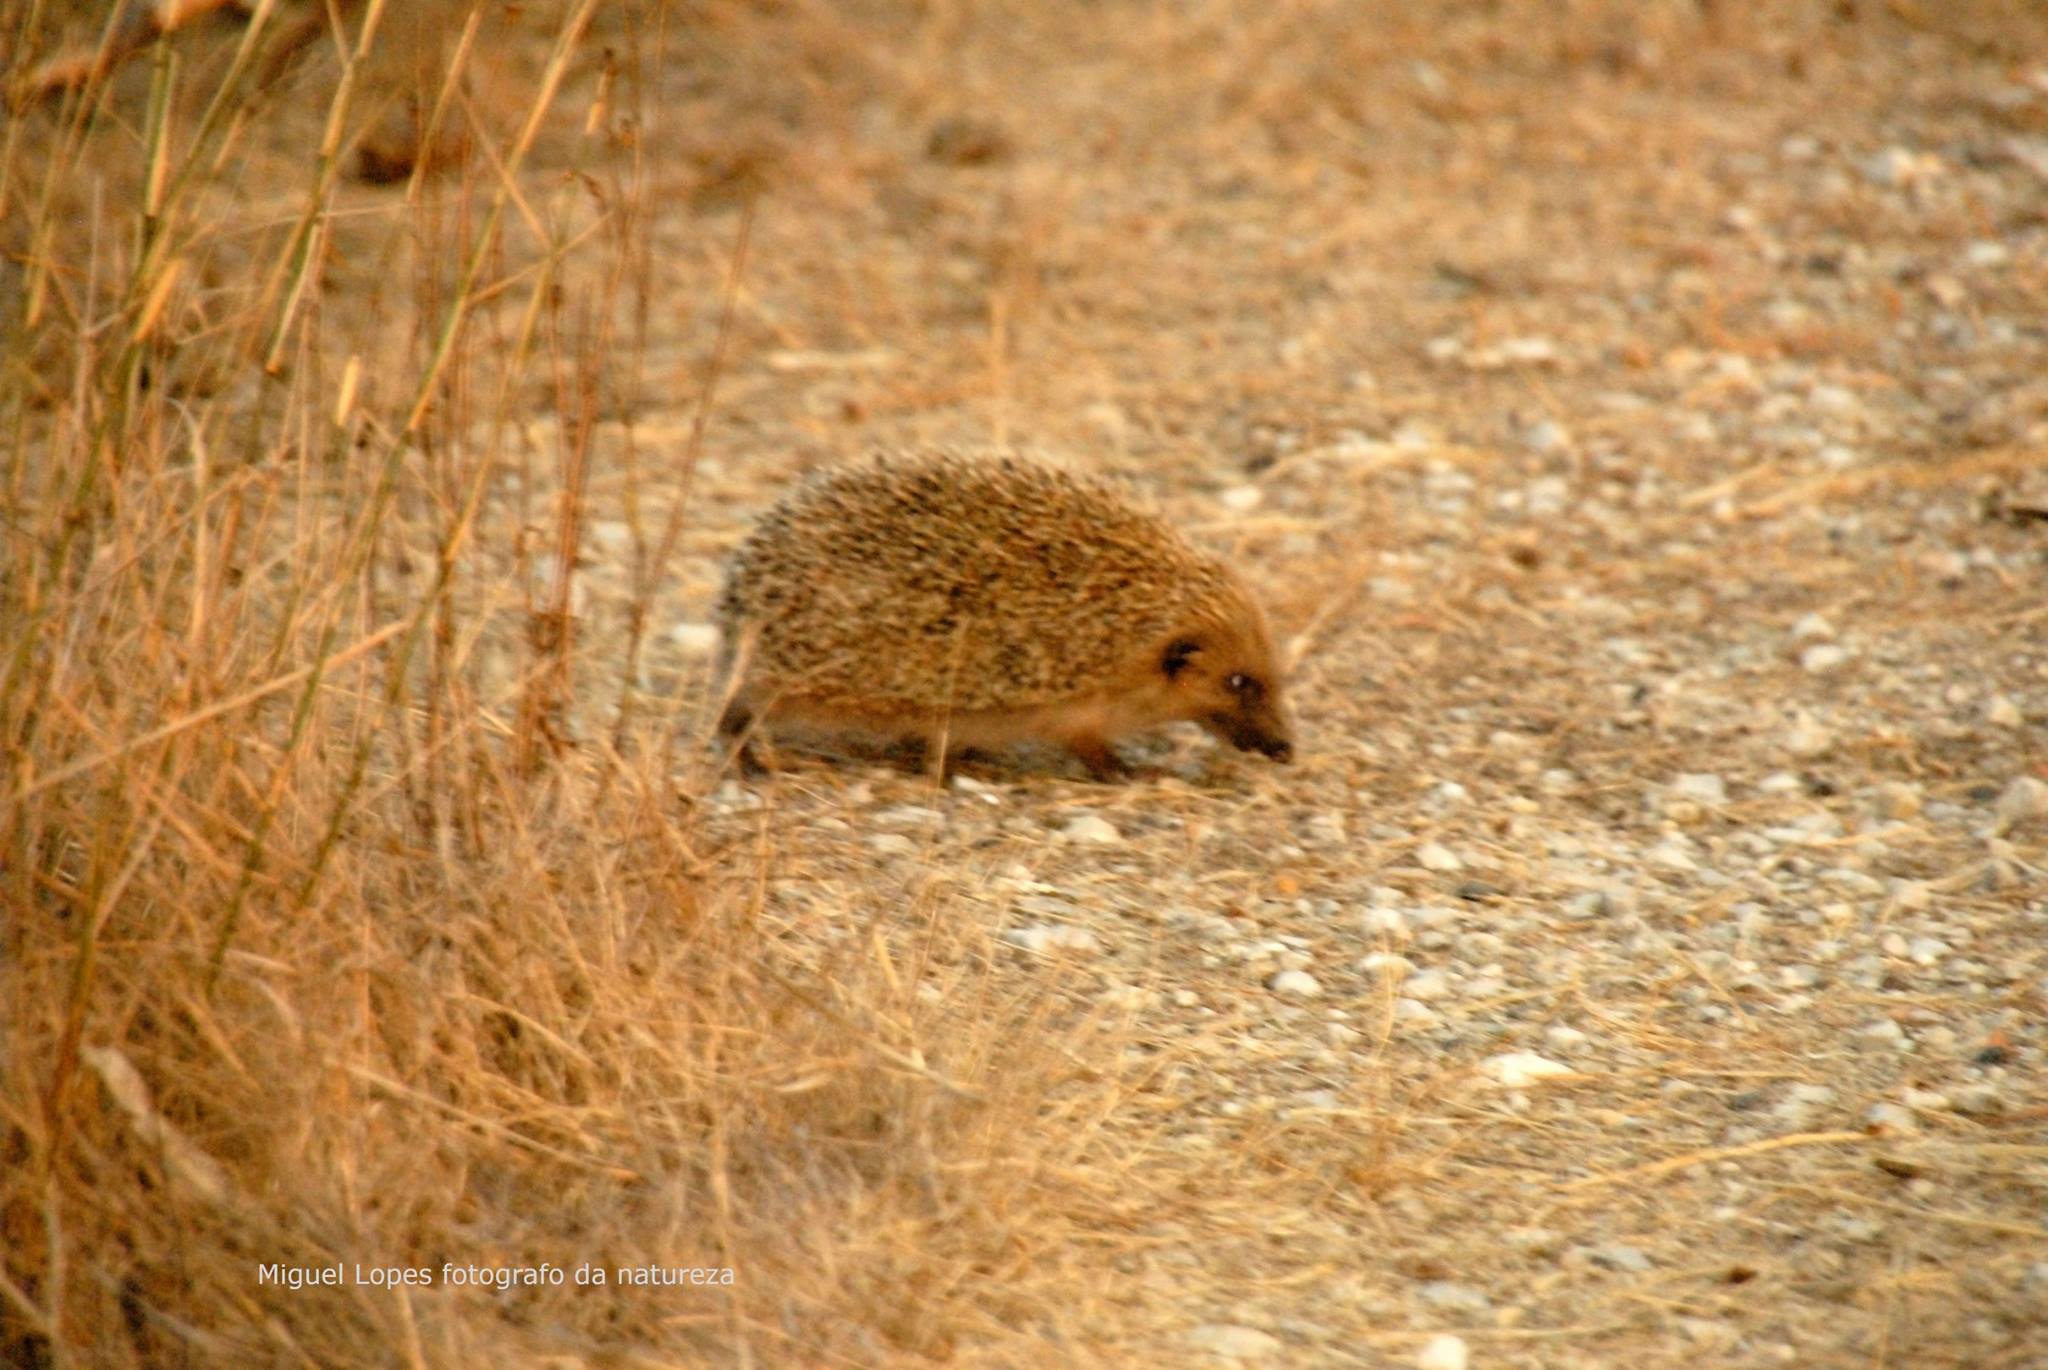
point(966, 602)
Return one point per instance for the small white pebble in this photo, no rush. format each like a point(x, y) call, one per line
point(1825, 657)
point(914, 815)
point(1536, 1241)
point(1241, 499)
point(1812, 628)
point(1090, 828)
point(1450, 1294)
point(1620, 1256)
point(1546, 435)
point(1427, 984)
point(1392, 922)
point(1234, 1342)
point(1672, 855)
point(1911, 896)
point(1926, 951)
point(1519, 1069)
point(1443, 1352)
point(1045, 937)
point(1899, 168)
point(1434, 856)
point(2023, 799)
point(1833, 399)
point(2001, 712)
point(1979, 1101)
point(1509, 351)
point(1807, 737)
point(1298, 984)
point(1700, 787)
point(694, 639)
point(1707, 1332)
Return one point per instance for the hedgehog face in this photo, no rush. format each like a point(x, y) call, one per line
point(1231, 687)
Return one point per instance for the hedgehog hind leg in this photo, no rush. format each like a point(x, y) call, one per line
point(742, 746)
point(735, 719)
point(752, 757)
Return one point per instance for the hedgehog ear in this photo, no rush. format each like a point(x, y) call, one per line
point(1178, 654)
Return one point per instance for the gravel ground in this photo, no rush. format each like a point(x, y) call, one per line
point(1640, 432)
point(1646, 959)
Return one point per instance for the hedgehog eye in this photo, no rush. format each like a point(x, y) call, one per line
point(1244, 686)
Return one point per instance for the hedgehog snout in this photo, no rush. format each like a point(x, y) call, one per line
point(1268, 738)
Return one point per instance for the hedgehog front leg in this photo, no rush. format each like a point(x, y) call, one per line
point(939, 757)
point(1094, 752)
point(935, 758)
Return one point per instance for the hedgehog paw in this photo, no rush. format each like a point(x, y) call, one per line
point(941, 765)
point(752, 761)
point(1104, 765)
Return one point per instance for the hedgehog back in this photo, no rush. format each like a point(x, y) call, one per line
point(942, 581)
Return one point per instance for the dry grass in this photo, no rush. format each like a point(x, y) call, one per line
point(371, 899)
point(324, 944)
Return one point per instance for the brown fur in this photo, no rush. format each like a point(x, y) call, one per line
point(976, 603)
